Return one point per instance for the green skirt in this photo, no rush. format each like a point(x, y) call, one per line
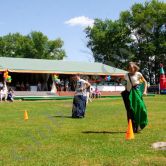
point(138, 107)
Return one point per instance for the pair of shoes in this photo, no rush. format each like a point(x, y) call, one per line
point(137, 130)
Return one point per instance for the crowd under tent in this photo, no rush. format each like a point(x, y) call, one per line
point(31, 71)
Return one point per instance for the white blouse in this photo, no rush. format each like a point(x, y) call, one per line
point(135, 79)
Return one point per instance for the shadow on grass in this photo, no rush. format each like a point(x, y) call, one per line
point(103, 132)
point(65, 116)
point(61, 116)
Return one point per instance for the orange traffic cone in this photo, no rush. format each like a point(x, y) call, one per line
point(25, 115)
point(129, 133)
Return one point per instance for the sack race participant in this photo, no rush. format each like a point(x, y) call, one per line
point(132, 97)
point(79, 101)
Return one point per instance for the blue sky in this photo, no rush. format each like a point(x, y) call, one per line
point(59, 18)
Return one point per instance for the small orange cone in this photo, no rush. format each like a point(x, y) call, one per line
point(25, 115)
point(129, 133)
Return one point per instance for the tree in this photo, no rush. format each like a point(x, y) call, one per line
point(109, 41)
point(138, 35)
point(147, 24)
point(33, 45)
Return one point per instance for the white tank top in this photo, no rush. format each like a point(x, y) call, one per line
point(135, 79)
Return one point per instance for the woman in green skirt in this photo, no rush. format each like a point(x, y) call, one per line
point(132, 97)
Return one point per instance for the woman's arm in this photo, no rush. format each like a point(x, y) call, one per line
point(145, 85)
point(87, 85)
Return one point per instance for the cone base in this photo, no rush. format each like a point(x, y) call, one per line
point(129, 137)
point(129, 133)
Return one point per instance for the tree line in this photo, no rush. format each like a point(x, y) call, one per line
point(34, 45)
point(138, 35)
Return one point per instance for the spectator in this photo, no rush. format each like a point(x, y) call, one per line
point(27, 86)
point(10, 95)
point(66, 85)
point(3, 92)
point(96, 93)
point(39, 86)
point(1, 85)
point(88, 94)
point(22, 87)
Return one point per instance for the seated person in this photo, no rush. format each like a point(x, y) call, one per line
point(96, 93)
point(10, 95)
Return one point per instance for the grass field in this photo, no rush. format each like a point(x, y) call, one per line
point(50, 137)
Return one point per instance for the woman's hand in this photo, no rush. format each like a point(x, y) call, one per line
point(145, 86)
point(145, 93)
point(81, 89)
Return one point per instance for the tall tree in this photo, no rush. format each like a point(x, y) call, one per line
point(139, 35)
point(33, 45)
point(109, 41)
point(147, 24)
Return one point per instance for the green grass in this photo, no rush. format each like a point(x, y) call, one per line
point(51, 138)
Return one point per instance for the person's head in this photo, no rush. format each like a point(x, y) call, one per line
point(77, 77)
point(10, 89)
point(132, 67)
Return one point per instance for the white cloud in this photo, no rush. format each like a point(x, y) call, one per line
point(80, 21)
